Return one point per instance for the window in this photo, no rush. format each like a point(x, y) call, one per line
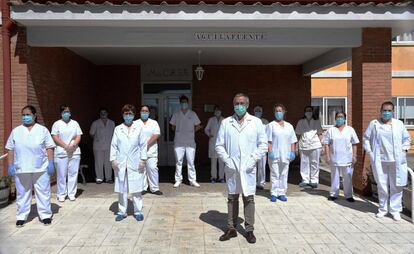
point(405, 37)
point(326, 108)
point(404, 109)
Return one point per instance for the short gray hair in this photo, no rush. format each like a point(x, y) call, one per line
point(242, 95)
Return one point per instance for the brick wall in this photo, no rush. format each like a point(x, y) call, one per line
point(265, 85)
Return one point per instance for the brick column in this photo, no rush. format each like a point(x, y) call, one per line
point(371, 85)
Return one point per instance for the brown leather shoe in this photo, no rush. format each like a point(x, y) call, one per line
point(230, 233)
point(250, 237)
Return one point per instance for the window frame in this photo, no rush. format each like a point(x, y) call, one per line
point(325, 108)
point(395, 100)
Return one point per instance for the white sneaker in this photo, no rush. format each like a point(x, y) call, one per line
point(72, 198)
point(195, 184)
point(396, 216)
point(61, 199)
point(177, 184)
point(380, 214)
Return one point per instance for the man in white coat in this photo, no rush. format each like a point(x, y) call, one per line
point(386, 141)
point(261, 165)
point(101, 131)
point(241, 143)
point(185, 123)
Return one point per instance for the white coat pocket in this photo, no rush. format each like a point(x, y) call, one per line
point(251, 164)
point(230, 164)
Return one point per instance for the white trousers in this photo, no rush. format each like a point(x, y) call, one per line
point(67, 176)
point(151, 174)
point(261, 171)
point(387, 189)
point(347, 172)
point(189, 151)
point(278, 177)
point(214, 168)
point(123, 203)
point(102, 164)
point(24, 186)
point(309, 165)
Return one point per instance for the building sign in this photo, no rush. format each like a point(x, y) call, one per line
point(166, 73)
point(229, 36)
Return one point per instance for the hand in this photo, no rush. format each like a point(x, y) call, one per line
point(50, 168)
point(251, 165)
point(354, 160)
point(328, 160)
point(141, 166)
point(292, 156)
point(271, 155)
point(11, 171)
point(115, 165)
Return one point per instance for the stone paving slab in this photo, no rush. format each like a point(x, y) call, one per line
point(189, 220)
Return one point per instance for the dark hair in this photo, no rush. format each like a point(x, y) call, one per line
point(32, 109)
point(340, 112)
point(279, 105)
point(183, 98)
point(145, 105)
point(102, 109)
point(128, 107)
point(313, 112)
point(63, 107)
point(216, 107)
point(386, 103)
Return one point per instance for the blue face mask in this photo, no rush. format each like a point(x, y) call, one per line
point(144, 116)
point(386, 115)
point(240, 110)
point(27, 119)
point(308, 115)
point(128, 118)
point(184, 105)
point(66, 116)
point(217, 113)
point(340, 121)
point(258, 114)
point(279, 115)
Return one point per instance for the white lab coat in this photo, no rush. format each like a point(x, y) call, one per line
point(127, 149)
point(212, 128)
point(240, 147)
point(102, 134)
point(401, 140)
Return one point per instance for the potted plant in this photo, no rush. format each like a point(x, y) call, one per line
point(5, 183)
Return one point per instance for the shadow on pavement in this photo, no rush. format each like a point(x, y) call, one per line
point(219, 220)
point(33, 211)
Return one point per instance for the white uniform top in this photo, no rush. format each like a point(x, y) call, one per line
point(66, 132)
point(212, 129)
point(184, 127)
point(264, 121)
point(386, 142)
point(308, 132)
point(282, 139)
point(30, 148)
point(150, 128)
point(340, 144)
point(102, 134)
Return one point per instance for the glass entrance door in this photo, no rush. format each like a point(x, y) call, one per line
point(163, 100)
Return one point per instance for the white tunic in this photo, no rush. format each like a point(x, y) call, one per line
point(149, 129)
point(127, 149)
point(282, 139)
point(340, 144)
point(184, 127)
point(308, 132)
point(29, 148)
point(102, 134)
point(243, 145)
point(386, 143)
point(66, 132)
point(212, 129)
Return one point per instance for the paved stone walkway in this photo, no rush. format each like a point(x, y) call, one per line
point(190, 220)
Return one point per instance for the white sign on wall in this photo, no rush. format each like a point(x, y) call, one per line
point(166, 73)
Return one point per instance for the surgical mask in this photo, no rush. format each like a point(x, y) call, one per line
point(144, 116)
point(104, 115)
point(184, 105)
point(258, 114)
point(308, 115)
point(240, 109)
point(128, 118)
point(386, 115)
point(66, 116)
point(279, 115)
point(340, 121)
point(217, 113)
point(27, 119)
